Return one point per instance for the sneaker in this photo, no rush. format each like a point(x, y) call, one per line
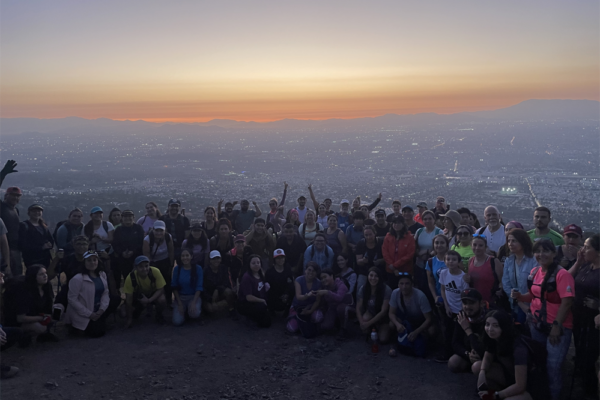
point(47, 337)
point(441, 359)
point(8, 372)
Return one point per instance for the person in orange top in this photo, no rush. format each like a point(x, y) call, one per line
point(398, 251)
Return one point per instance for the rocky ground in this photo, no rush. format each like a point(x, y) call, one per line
point(222, 359)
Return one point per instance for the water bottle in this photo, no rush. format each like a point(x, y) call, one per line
point(374, 340)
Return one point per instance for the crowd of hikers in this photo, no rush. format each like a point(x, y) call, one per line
point(494, 300)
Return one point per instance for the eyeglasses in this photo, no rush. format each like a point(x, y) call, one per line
point(479, 235)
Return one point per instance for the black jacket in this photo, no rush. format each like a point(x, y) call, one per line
point(128, 238)
point(31, 242)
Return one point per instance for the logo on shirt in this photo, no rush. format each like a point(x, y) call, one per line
point(261, 285)
point(569, 289)
point(451, 287)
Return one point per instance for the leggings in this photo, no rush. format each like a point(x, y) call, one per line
point(257, 312)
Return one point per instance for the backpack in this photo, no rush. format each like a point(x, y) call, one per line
point(134, 282)
point(69, 231)
point(168, 240)
point(539, 318)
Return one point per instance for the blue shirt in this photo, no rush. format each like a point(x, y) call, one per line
point(343, 222)
point(182, 280)
point(515, 277)
point(352, 236)
point(438, 266)
point(98, 291)
point(324, 260)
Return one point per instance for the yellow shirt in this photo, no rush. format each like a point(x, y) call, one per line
point(145, 285)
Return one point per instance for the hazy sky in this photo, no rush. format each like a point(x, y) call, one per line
point(265, 60)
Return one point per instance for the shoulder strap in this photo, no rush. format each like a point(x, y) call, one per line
point(105, 226)
point(133, 278)
point(430, 264)
point(418, 233)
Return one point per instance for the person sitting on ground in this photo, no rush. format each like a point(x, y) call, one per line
point(309, 229)
point(261, 241)
point(334, 298)
point(160, 250)
point(382, 227)
point(128, 242)
point(494, 230)
point(89, 300)
point(252, 294)
point(503, 372)
point(541, 219)
point(198, 243)
point(8, 337)
point(28, 305)
point(452, 284)
point(372, 305)
point(398, 251)
point(68, 230)
point(35, 240)
point(485, 272)
point(434, 267)
point(319, 252)
point(217, 294)
point(464, 239)
point(411, 317)
point(304, 302)
point(187, 287)
point(467, 340)
point(369, 254)
point(551, 293)
point(347, 273)
point(293, 246)
point(143, 287)
point(566, 255)
point(281, 282)
point(396, 208)
point(99, 232)
point(152, 215)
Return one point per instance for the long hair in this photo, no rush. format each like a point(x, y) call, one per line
point(110, 214)
point(288, 218)
point(504, 345)
point(402, 232)
point(260, 271)
point(440, 236)
point(215, 218)
point(595, 241)
point(158, 214)
point(524, 240)
point(84, 271)
point(379, 291)
point(548, 245)
point(31, 286)
point(194, 270)
point(191, 240)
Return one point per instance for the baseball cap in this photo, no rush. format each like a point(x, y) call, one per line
point(35, 207)
point(141, 259)
point(96, 209)
point(344, 201)
point(215, 254)
point(196, 227)
point(14, 190)
point(159, 225)
point(407, 207)
point(278, 253)
point(572, 228)
point(240, 238)
point(174, 201)
point(471, 294)
point(127, 212)
point(422, 204)
point(89, 254)
point(381, 211)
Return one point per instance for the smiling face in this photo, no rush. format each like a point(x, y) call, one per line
point(12, 198)
point(75, 218)
point(373, 278)
point(332, 222)
point(209, 215)
point(492, 328)
point(544, 256)
point(159, 233)
point(174, 209)
point(309, 273)
point(150, 210)
point(186, 257)
point(322, 209)
point(341, 262)
point(97, 216)
point(91, 263)
point(369, 235)
point(464, 236)
point(244, 205)
point(310, 217)
point(326, 279)
point(35, 213)
point(398, 226)
point(492, 216)
point(471, 308)
point(255, 264)
point(440, 246)
point(142, 269)
point(128, 220)
point(301, 202)
point(319, 243)
point(451, 261)
point(479, 246)
point(273, 206)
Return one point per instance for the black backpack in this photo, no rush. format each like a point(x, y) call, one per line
point(134, 282)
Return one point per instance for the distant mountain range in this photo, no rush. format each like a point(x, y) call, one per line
point(529, 110)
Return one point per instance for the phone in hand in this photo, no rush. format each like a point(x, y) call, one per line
point(56, 313)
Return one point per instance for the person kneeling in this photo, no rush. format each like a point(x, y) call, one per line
point(143, 287)
point(252, 294)
point(217, 293)
point(411, 316)
point(372, 305)
point(187, 284)
point(89, 299)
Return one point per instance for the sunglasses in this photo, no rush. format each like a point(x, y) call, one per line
point(479, 235)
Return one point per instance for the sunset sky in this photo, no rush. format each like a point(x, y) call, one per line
point(268, 60)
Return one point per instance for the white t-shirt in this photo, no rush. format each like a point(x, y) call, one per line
point(146, 222)
point(101, 246)
point(309, 234)
point(453, 285)
point(160, 253)
point(494, 240)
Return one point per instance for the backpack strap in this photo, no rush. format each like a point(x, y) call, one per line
point(430, 265)
point(496, 279)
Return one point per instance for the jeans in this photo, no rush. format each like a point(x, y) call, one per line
point(556, 357)
point(186, 301)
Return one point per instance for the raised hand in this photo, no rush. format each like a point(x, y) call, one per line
point(9, 168)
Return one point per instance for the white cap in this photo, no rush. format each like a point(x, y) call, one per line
point(278, 253)
point(344, 201)
point(214, 254)
point(159, 225)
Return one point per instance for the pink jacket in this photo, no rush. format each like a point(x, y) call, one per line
point(81, 300)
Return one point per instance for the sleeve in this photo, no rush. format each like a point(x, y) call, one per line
point(22, 243)
point(127, 286)
point(245, 286)
point(160, 280)
point(565, 284)
point(110, 226)
point(175, 279)
point(388, 249)
point(408, 253)
point(200, 282)
point(424, 303)
point(340, 292)
point(374, 204)
point(394, 298)
point(307, 257)
point(458, 343)
point(105, 300)
point(521, 354)
point(506, 282)
point(352, 280)
point(75, 285)
point(283, 197)
point(61, 237)
point(3, 230)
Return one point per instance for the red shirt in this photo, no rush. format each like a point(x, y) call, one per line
point(565, 287)
point(482, 278)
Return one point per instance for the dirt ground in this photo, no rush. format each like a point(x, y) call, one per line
point(222, 359)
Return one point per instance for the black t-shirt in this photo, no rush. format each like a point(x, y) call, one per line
point(381, 232)
point(71, 266)
point(215, 280)
point(415, 227)
point(10, 216)
point(372, 255)
point(281, 282)
point(390, 217)
point(294, 251)
point(176, 227)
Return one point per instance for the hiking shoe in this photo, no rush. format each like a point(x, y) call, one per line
point(47, 337)
point(8, 372)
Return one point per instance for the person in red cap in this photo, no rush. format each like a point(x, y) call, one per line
point(10, 217)
point(566, 254)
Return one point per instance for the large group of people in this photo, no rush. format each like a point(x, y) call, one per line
point(495, 300)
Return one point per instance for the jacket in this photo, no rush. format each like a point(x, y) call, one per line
point(31, 241)
point(81, 300)
point(128, 239)
point(399, 253)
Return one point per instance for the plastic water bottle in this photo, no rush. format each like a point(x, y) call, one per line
point(374, 340)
